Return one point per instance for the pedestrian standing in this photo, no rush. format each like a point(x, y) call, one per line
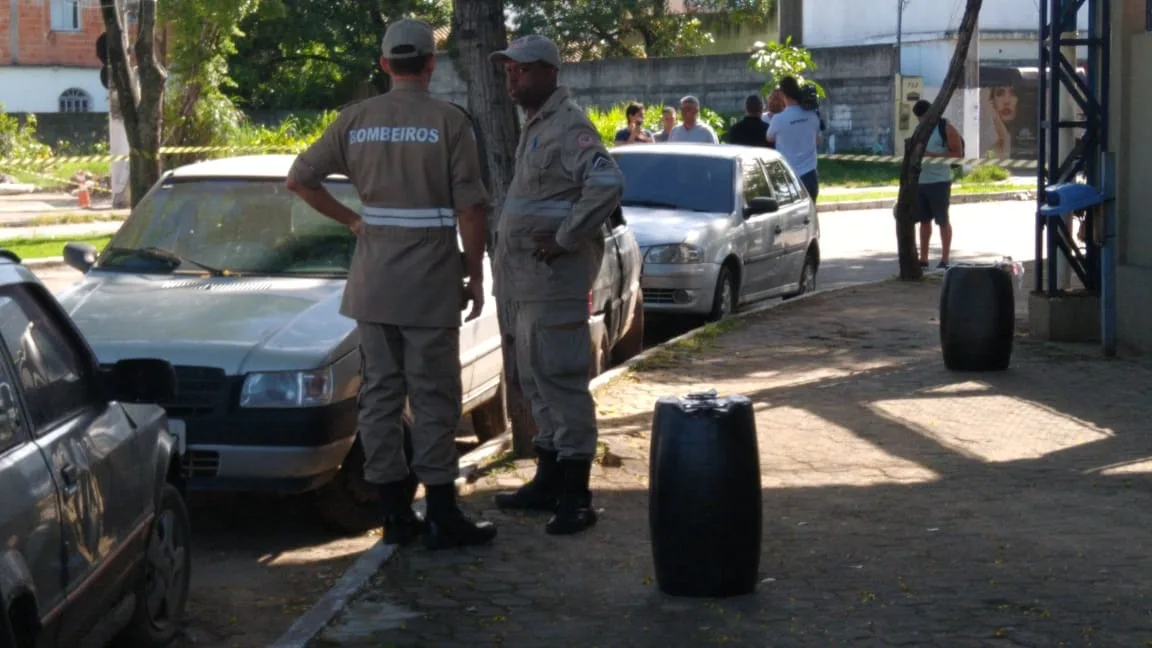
point(549, 247)
point(795, 133)
point(413, 160)
point(690, 128)
point(934, 193)
point(752, 130)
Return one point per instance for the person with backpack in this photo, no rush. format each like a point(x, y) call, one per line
point(935, 191)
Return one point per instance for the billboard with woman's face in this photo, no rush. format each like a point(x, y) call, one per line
point(1008, 112)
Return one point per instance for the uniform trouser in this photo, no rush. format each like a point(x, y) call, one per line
point(422, 365)
point(551, 346)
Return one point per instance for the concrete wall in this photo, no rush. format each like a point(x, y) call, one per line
point(858, 81)
point(830, 23)
point(1130, 136)
point(80, 130)
point(38, 89)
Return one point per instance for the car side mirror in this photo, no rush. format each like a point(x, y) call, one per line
point(761, 205)
point(142, 380)
point(81, 256)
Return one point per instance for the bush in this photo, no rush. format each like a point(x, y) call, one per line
point(19, 139)
point(607, 122)
point(986, 173)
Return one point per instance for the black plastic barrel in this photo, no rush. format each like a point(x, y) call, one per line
point(704, 498)
point(977, 318)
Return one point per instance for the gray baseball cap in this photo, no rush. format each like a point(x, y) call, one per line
point(529, 49)
point(412, 37)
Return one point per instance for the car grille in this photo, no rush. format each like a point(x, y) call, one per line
point(199, 391)
point(201, 463)
point(659, 296)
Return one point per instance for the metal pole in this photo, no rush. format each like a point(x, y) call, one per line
point(900, 35)
point(1042, 147)
point(1108, 252)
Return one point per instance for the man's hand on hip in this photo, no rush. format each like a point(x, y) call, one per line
point(547, 249)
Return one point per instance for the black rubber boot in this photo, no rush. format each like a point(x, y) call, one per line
point(542, 493)
point(447, 526)
point(574, 512)
point(401, 524)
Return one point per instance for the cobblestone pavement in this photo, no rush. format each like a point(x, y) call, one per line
point(903, 505)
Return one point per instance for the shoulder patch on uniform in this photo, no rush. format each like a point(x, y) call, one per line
point(585, 140)
point(602, 161)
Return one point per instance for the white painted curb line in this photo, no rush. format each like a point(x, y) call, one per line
point(315, 620)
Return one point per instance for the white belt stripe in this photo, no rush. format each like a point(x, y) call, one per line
point(553, 208)
point(603, 180)
point(414, 218)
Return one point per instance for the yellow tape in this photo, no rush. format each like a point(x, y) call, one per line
point(892, 159)
point(92, 187)
point(53, 160)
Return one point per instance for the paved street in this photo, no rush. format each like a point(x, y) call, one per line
point(903, 505)
point(860, 246)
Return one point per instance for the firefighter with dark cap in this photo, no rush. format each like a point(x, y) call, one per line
point(549, 248)
point(413, 160)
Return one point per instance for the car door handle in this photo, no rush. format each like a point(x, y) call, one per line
point(68, 476)
point(779, 230)
point(807, 219)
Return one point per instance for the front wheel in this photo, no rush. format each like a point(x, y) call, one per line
point(349, 502)
point(632, 342)
point(162, 591)
point(724, 302)
point(490, 420)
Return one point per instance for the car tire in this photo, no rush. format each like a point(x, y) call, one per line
point(725, 299)
point(601, 354)
point(169, 548)
point(7, 636)
point(632, 342)
point(348, 502)
point(807, 276)
point(490, 420)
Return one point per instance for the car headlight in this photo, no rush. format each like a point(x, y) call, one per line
point(674, 254)
point(288, 389)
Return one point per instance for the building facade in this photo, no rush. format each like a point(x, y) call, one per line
point(1130, 138)
point(48, 58)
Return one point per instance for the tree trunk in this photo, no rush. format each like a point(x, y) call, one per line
point(141, 97)
point(478, 30)
point(910, 171)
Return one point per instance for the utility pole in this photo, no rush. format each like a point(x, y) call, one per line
point(900, 4)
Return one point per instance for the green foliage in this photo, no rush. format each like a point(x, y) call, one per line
point(294, 133)
point(986, 173)
point(19, 139)
point(718, 122)
point(777, 60)
point(318, 54)
point(607, 122)
point(594, 29)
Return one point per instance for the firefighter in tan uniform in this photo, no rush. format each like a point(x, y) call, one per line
point(413, 160)
point(549, 248)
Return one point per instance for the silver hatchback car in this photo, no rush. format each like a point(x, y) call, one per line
point(719, 226)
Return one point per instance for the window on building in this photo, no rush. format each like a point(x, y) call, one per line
point(75, 100)
point(66, 15)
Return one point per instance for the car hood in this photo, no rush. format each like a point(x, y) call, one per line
point(239, 324)
point(669, 226)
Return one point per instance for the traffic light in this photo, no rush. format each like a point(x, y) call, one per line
point(102, 54)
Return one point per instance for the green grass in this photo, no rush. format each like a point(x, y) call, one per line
point(27, 248)
point(35, 175)
point(845, 173)
point(882, 194)
point(674, 354)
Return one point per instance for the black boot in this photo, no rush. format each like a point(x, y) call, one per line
point(574, 512)
point(401, 524)
point(447, 526)
point(540, 494)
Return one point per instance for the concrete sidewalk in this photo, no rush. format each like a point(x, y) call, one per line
point(903, 504)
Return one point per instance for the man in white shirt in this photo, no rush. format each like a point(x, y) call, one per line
point(690, 128)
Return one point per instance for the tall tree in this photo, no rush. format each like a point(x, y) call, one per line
point(140, 92)
point(905, 211)
point(478, 29)
point(592, 29)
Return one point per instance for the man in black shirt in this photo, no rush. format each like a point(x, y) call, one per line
point(750, 131)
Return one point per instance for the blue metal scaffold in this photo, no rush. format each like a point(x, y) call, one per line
point(1058, 190)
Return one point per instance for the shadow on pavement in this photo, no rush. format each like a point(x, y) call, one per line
point(902, 504)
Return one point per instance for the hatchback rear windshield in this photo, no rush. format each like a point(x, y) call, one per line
point(245, 226)
point(677, 181)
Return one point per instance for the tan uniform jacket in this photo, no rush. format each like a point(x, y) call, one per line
point(413, 160)
point(565, 185)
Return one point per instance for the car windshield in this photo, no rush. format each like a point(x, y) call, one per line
point(238, 226)
point(677, 181)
